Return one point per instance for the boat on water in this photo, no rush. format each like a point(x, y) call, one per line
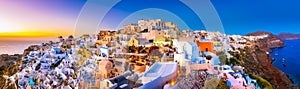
point(283, 62)
point(276, 54)
point(283, 65)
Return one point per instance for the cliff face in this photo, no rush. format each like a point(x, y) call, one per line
point(30, 48)
point(257, 61)
point(265, 44)
point(8, 66)
point(288, 36)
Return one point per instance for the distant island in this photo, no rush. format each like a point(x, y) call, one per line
point(288, 36)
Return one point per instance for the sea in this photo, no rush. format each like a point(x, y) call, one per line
point(287, 59)
point(17, 46)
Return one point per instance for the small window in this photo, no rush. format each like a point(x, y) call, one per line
point(119, 63)
point(216, 68)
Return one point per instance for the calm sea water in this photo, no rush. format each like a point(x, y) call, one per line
point(18, 46)
point(290, 56)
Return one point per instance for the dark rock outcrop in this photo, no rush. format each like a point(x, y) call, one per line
point(8, 66)
point(30, 48)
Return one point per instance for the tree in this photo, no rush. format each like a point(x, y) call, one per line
point(60, 37)
point(71, 37)
point(156, 53)
point(212, 83)
point(222, 58)
point(222, 85)
point(56, 64)
point(209, 57)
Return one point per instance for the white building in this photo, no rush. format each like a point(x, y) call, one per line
point(157, 24)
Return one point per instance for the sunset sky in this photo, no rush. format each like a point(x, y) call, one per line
point(38, 18)
point(44, 18)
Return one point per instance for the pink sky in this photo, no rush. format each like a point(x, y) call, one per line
point(41, 16)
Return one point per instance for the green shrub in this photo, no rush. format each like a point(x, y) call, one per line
point(211, 83)
point(235, 61)
point(261, 82)
point(215, 83)
point(222, 85)
point(222, 58)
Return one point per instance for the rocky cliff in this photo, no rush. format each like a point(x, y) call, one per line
point(8, 66)
point(257, 61)
point(265, 44)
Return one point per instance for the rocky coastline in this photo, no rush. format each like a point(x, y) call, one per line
point(259, 62)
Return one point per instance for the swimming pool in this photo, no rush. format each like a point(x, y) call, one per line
point(153, 70)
